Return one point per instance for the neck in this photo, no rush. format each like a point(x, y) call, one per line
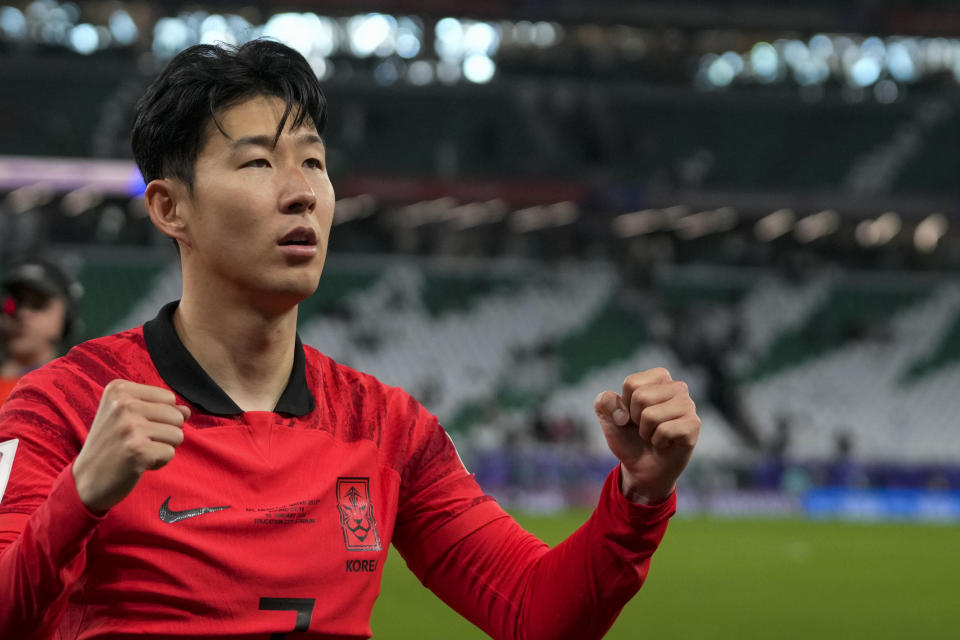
point(247, 351)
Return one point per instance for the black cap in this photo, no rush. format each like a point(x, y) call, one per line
point(44, 277)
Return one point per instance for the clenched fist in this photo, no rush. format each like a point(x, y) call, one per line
point(137, 428)
point(652, 427)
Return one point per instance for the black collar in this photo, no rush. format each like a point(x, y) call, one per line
point(184, 374)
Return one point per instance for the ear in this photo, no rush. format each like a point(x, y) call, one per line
point(166, 201)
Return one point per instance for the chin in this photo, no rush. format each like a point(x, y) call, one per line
point(297, 288)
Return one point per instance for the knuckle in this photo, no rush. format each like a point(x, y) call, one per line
point(648, 415)
point(127, 431)
point(122, 404)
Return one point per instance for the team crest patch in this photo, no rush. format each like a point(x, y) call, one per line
point(356, 515)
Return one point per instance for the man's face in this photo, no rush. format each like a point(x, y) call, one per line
point(33, 330)
point(258, 219)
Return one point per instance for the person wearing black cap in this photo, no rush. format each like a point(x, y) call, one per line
point(38, 300)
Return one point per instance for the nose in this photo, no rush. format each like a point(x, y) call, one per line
point(298, 196)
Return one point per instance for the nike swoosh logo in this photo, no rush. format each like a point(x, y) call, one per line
point(170, 516)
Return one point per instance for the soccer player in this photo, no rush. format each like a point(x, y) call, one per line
point(208, 475)
point(37, 305)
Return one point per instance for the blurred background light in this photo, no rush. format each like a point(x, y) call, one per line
point(84, 39)
point(478, 68)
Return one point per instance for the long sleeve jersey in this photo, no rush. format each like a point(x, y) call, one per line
point(274, 523)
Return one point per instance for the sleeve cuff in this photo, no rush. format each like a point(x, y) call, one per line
point(75, 523)
point(637, 514)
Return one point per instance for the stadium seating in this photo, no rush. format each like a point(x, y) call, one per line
point(488, 345)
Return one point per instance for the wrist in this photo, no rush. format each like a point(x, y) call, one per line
point(84, 492)
point(637, 491)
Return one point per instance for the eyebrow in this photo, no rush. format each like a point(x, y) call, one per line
point(269, 142)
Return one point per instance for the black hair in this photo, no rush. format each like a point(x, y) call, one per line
point(172, 116)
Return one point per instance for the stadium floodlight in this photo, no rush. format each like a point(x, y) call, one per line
point(734, 60)
point(448, 71)
point(475, 214)
point(704, 223)
point(481, 38)
point(420, 73)
point(80, 200)
point(292, 29)
point(325, 34)
point(13, 23)
point(900, 61)
point(371, 34)
point(424, 212)
point(479, 69)
point(886, 92)
point(449, 38)
point(928, 233)
point(873, 47)
point(546, 34)
point(123, 28)
point(523, 32)
point(387, 72)
point(720, 73)
point(170, 36)
point(821, 46)
point(774, 225)
point(84, 39)
point(354, 208)
point(322, 67)
point(408, 44)
point(795, 53)
point(638, 223)
point(888, 225)
point(765, 62)
point(214, 30)
point(810, 72)
point(544, 217)
point(563, 213)
point(865, 71)
point(817, 225)
point(27, 197)
point(866, 234)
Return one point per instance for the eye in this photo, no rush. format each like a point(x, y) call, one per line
point(258, 162)
point(313, 163)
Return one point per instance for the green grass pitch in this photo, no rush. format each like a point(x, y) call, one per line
point(728, 578)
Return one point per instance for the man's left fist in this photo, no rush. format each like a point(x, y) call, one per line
point(652, 427)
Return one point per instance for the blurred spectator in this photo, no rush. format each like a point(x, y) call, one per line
point(38, 314)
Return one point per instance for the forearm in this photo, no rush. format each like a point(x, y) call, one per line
point(41, 559)
point(579, 588)
point(513, 586)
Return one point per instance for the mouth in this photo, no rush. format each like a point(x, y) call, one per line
point(299, 237)
point(299, 244)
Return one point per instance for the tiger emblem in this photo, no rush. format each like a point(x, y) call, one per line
point(356, 515)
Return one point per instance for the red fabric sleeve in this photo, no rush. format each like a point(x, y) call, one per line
point(44, 527)
point(514, 586)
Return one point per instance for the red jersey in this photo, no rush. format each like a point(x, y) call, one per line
point(266, 523)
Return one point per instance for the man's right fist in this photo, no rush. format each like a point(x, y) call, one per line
point(137, 428)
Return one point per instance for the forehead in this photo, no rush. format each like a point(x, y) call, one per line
point(253, 116)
